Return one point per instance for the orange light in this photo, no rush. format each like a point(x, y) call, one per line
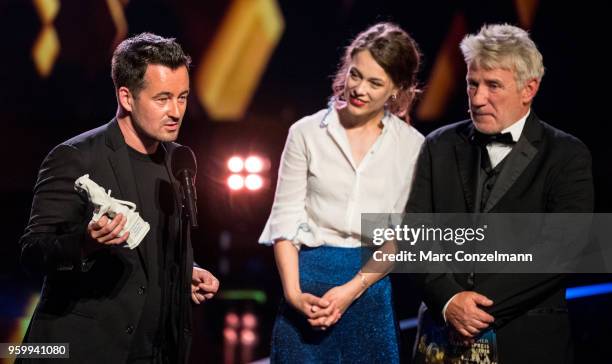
point(235, 182)
point(235, 164)
point(253, 182)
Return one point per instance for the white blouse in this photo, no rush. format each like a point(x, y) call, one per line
point(321, 193)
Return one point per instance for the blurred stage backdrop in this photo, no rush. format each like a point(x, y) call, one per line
point(260, 65)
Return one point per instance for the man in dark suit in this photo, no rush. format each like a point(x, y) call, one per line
point(114, 304)
point(505, 159)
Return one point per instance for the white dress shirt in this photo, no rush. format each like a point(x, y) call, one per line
point(321, 193)
point(498, 151)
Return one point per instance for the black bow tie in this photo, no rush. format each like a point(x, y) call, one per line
point(485, 139)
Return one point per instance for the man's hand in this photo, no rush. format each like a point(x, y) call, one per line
point(465, 316)
point(203, 285)
point(105, 232)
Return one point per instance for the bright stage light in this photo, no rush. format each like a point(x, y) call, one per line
point(235, 182)
point(253, 164)
point(253, 182)
point(235, 164)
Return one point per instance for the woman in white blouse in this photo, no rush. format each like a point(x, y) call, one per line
point(357, 156)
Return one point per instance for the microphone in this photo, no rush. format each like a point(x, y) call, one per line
point(184, 167)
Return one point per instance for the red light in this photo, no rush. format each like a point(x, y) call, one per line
point(230, 335)
point(249, 321)
point(232, 320)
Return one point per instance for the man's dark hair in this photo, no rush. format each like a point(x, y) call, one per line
point(133, 55)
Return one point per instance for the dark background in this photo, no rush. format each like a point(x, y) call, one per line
point(38, 113)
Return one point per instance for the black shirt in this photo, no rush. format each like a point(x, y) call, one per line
point(157, 206)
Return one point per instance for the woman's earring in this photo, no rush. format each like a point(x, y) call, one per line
point(394, 97)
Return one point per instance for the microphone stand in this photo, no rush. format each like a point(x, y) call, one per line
point(184, 278)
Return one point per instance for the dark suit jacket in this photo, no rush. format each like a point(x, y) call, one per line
point(94, 302)
point(547, 171)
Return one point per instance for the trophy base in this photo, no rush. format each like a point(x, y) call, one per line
point(138, 229)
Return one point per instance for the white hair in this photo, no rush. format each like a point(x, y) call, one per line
point(504, 46)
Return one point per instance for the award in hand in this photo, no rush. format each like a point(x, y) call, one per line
point(104, 204)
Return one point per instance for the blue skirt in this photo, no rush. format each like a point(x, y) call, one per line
point(367, 331)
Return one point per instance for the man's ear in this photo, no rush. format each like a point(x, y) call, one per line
point(530, 90)
point(125, 98)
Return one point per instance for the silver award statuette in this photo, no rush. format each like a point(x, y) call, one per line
point(104, 204)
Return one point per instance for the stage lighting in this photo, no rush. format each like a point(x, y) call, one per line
point(235, 164)
point(249, 320)
point(248, 337)
point(230, 336)
point(247, 173)
point(235, 182)
point(253, 182)
point(232, 320)
point(253, 164)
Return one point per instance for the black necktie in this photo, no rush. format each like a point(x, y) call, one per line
point(485, 139)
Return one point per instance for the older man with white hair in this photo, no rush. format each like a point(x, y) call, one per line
point(504, 160)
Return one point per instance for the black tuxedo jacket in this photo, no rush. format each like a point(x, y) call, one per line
point(92, 302)
point(547, 171)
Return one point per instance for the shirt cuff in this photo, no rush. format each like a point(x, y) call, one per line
point(300, 234)
point(446, 306)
